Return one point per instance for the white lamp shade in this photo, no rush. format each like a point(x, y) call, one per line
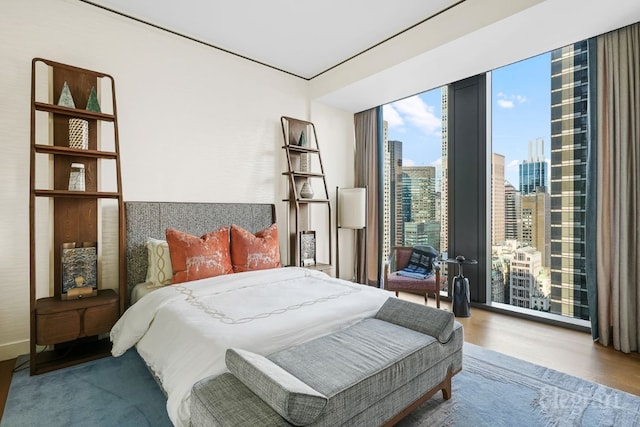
point(352, 205)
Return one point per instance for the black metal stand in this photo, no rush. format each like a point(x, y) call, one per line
point(461, 299)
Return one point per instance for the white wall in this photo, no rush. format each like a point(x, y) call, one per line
point(195, 124)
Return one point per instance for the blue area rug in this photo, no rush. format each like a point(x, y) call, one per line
point(492, 390)
point(498, 390)
point(114, 391)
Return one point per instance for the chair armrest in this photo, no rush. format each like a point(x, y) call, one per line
point(387, 264)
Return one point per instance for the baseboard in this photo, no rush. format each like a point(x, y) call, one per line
point(13, 349)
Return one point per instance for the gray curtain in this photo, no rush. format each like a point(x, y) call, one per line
point(591, 217)
point(367, 175)
point(618, 188)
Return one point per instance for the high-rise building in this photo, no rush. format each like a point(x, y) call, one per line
point(386, 194)
point(512, 213)
point(419, 193)
point(497, 280)
point(422, 233)
point(533, 172)
point(525, 267)
point(395, 184)
point(569, 125)
point(419, 206)
point(535, 220)
point(497, 199)
point(444, 181)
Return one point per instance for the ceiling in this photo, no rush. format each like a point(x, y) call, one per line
point(358, 54)
point(301, 37)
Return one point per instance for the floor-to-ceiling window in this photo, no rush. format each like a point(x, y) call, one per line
point(415, 149)
point(539, 128)
point(539, 125)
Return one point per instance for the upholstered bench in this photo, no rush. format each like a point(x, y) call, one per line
point(371, 373)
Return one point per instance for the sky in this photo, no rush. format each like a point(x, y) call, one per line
point(521, 112)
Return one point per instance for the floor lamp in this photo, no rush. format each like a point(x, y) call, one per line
point(351, 206)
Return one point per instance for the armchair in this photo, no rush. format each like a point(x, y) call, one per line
point(398, 260)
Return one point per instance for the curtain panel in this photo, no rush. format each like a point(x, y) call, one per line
point(618, 188)
point(367, 175)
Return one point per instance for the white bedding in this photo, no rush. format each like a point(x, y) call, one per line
point(183, 331)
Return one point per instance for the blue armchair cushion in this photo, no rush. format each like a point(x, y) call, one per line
point(420, 264)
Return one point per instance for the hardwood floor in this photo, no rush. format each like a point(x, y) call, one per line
point(562, 349)
point(558, 348)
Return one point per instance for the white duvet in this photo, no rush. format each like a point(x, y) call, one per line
point(183, 331)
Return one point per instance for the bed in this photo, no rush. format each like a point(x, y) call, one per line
point(182, 331)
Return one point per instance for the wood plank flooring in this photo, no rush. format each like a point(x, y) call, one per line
point(562, 349)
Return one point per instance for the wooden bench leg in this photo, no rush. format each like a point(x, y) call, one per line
point(445, 386)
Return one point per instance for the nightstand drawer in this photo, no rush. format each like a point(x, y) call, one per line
point(99, 320)
point(59, 321)
point(55, 328)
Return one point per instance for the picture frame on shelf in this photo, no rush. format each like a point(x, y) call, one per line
point(307, 248)
point(79, 270)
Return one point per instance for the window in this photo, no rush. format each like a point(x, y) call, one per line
point(539, 134)
point(415, 208)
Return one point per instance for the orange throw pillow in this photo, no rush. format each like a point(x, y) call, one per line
point(194, 258)
point(254, 252)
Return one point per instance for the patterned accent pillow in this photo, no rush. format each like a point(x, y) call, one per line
point(194, 258)
point(254, 252)
point(159, 272)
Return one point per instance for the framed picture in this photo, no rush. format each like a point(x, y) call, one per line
point(79, 269)
point(307, 248)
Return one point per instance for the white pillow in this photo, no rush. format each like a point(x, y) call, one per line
point(159, 271)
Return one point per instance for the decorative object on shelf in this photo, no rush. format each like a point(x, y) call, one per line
point(302, 141)
point(306, 192)
point(66, 100)
point(304, 162)
point(351, 204)
point(79, 270)
point(79, 134)
point(76, 177)
point(92, 103)
point(307, 248)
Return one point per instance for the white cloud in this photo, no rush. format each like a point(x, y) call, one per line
point(437, 162)
point(505, 104)
point(513, 165)
point(408, 162)
point(391, 116)
point(415, 111)
point(509, 101)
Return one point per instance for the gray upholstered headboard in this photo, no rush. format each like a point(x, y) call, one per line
point(151, 219)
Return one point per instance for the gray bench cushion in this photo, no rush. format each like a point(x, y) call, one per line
point(361, 364)
point(224, 401)
point(287, 395)
point(428, 320)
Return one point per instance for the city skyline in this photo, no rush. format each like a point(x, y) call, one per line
point(521, 112)
point(521, 123)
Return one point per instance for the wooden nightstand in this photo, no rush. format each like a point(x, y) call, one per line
point(66, 321)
